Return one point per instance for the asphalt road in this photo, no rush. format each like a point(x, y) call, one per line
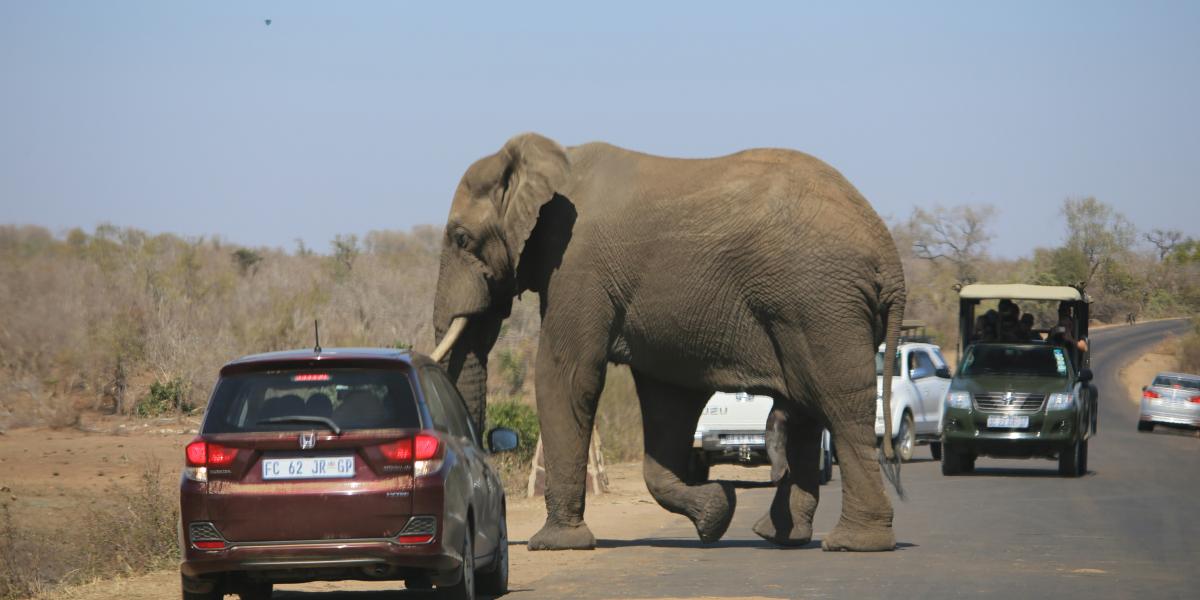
point(1014, 529)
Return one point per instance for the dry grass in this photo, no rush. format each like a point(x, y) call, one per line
point(135, 533)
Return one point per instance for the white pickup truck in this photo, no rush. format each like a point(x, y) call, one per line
point(733, 429)
point(920, 379)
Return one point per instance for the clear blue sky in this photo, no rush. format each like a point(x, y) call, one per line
point(198, 118)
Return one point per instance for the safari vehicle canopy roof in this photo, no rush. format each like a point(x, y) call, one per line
point(1020, 291)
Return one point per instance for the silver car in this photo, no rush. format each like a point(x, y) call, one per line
point(1172, 399)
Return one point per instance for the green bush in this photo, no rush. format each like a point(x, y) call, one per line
point(519, 417)
point(165, 397)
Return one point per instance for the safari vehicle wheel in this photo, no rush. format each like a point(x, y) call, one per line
point(494, 581)
point(826, 467)
point(1070, 459)
point(465, 588)
point(955, 462)
point(935, 449)
point(906, 439)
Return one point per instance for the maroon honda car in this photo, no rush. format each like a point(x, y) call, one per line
point(340, 464)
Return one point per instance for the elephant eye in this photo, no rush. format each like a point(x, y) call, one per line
point(461, 238)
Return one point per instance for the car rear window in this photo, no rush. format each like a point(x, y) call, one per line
point(1174, 381)
point(1031, 361)
point(351, 398)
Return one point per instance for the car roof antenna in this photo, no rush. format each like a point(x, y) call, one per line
point(317, 335)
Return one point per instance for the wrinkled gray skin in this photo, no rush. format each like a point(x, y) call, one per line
point(763, 271)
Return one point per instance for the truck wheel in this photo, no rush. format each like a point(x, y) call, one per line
point(906, 438)
point(1145, 425)
point(1070, 458)
point(826, 466)
point(697, 469)
point(954, 462)
point(935, 448)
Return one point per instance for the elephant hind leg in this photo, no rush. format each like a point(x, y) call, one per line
point(829, 370)
point(788, 522)
point(669, 416)
point(866, 521)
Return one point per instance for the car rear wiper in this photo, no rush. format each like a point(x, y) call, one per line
point(326, 421)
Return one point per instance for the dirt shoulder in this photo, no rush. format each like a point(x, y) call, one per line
point(1140, 372)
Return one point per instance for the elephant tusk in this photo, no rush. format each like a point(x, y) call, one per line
point(456, 328)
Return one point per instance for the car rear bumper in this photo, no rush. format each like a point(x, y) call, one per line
point(323, 559)
point(1175, 414)
point(716, 445)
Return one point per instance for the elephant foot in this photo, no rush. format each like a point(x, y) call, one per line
point(799, 535)
point(560, 537)
point(713, 511)
point(845, 539)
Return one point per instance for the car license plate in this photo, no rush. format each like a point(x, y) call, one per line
point(743, 440)
point(1008, 421)
point(318, 467)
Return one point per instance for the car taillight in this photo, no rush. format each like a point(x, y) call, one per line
point(398, 451)
point(1196, 399)
point(207, 454)
point(423, 450)
point(1150, 394)
point(426, 447)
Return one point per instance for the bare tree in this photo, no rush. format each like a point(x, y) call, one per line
point(958, 235)
point(1164, 241)
point(1099, 233)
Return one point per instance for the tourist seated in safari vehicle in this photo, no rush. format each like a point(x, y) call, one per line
point(1020, 391)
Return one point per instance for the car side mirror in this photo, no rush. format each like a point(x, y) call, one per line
point(502, 439)
point(943, 372)
point(1085, 375)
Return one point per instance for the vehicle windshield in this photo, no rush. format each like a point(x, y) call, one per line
point(879, 365)
point(1176, 381)
point(304, 399)
point(1019, 360)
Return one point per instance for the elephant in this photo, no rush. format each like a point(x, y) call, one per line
point(764, 271)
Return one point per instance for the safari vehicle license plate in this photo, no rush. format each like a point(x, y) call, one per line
point(319, 467)
point(743, 439)
point(1008, 421)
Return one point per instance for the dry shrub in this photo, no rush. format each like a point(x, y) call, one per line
point(138, 534)
point(23, 558)
point(619, 418)
point(1189, 350)
point(135, 535)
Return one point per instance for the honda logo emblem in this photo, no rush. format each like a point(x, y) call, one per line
point(308, 439)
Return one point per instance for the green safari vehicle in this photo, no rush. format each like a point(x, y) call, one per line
point(1020, 392)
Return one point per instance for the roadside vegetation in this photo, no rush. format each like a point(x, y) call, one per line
point(131, 531)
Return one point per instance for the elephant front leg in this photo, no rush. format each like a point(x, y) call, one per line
point(669, 416)
point(866, 521)
point(796, 445)
point(566, 401)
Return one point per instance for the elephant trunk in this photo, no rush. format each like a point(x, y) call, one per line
point(466, 361)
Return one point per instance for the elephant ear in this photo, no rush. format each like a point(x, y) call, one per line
point(536, 169)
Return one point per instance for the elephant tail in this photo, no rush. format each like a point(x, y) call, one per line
point(889, 460)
